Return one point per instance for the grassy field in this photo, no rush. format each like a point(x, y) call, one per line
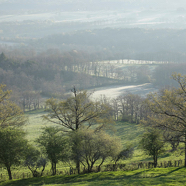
point(35, 124)
point(129, 134)
point(158, 176)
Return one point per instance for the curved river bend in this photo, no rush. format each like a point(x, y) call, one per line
point(115, 91)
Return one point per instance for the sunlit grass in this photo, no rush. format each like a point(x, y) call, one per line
point(129, 134)
point(35, 125)
point(158, 176)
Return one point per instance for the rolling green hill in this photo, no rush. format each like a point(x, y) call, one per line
point(158, 176)
point(129, 134)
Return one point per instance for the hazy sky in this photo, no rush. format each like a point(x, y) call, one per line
point(100, 3)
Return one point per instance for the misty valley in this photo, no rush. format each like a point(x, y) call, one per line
point(49, 47)
point(92, 92)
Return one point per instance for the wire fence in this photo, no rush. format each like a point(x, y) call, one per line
point(108, 167)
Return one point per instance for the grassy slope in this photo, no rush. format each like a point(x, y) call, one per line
point(129, 133)
point(159, 176)
point(35, 125)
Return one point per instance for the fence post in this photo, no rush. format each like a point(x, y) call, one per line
point(179, 162)
point(161, 164)
point(165, 164)
point(175, 163)
point(169, 164)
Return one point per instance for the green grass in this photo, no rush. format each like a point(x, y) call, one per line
point(158, 176)
point(129, 134)
point(35, 124)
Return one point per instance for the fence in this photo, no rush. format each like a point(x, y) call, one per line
point(23, 175)
point(108, 167)
point(143, 165)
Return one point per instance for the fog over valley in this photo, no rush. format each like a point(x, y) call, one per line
point(50, 46)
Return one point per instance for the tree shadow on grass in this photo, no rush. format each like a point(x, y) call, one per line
point(150, 159)
point(166, 174)
point(108, 178)
point(91, 178)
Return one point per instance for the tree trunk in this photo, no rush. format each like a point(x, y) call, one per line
point(155, 161)
point(53, 168)
point(185, 151)
point(99, 167)
point(91, 167)
point(78, 166)
point(42, 171)
point(115, 166)
point(9, 173)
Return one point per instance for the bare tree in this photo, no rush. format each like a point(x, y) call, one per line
point(76, 112)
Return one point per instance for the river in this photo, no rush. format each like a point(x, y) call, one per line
point(115, 91)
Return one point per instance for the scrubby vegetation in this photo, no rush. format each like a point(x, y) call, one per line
point(86, 150)
point(53, 131)
point(81, 135)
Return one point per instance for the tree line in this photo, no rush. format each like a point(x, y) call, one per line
point(79, 129)
point(53, 73)
point(80, 138)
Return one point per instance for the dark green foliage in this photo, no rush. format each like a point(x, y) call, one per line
point(90, 147)
point(169, 108)
point(55, 145)
point(77, 112)
point(122, 155)
point(13, 148)
point(34, 161)
point(10, 113)
point(152, 144)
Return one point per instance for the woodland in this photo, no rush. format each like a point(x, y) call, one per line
point(54, 131)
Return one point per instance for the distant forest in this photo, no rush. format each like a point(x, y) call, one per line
point(52, 65)
point(104, 44)
point(134, 43)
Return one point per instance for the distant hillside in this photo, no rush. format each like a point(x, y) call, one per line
point(123, 43)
